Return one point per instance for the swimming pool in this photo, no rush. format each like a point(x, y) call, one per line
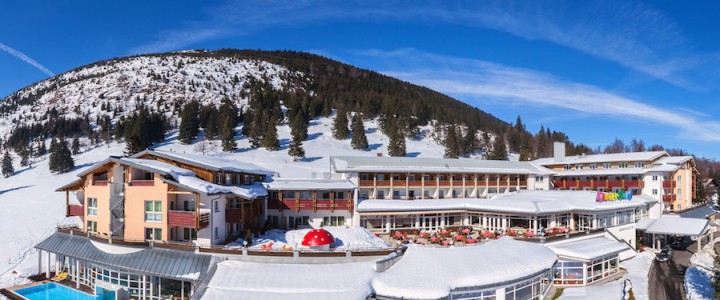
point(52, 291)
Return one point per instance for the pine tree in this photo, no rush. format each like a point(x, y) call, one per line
point(212, 126)
point(189, 123)
point(24, 157)
point(76, 146)
point(41, 149)
point(296, 149)
point(228, 116)
point(61, 159)
point(359, 139)
point(7, 165)
point(499, 150)
point(340, 125)
point(451, 142)
point(270, 139)
point(396, 145)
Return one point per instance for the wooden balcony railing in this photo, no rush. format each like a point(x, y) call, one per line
point(669, 198)
point(181, 218)
point(142, 183)
point(383, 183)
point(203, 220)
point(366, 183)
point(75, 210)
point(668, 184)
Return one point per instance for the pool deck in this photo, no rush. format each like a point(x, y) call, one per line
point(37, 280)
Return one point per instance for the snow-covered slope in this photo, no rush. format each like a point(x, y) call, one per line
point(30, 208)
point(159, 82)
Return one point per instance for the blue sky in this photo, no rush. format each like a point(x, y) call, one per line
point(596, 70)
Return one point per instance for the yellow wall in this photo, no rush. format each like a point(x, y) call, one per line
point(135, 197)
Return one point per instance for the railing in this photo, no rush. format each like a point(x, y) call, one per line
point(523, 183)
point(100, 182)
point(142, 183)
point(383, 183)
point(586, 183)
point(306, 204)
point(444, 182)
point(668, 184)
point(366, 183)
point(633, 183)
point(76, 210)
point(416, 182)
point(204, 220)
point(290, 204)
point(181, 218)
point(668, 198)
point(615, 183)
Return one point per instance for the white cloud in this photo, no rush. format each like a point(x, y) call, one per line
point(25, 58)
point(469, 78)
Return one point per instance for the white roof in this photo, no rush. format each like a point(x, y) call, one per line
point(664, 168)
point(588, 249)
point(211, 162)
point(432, 272)
point(249, 280)
point(523, 202)
point(158, 166)
point(676, 225)
point(431, 165)
point(302, 184)
point(676, 160)
point(252, 191)
point(601, 158)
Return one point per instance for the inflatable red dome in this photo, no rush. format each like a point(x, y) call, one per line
point(318, 239)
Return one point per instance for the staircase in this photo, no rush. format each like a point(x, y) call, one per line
point(117, 210)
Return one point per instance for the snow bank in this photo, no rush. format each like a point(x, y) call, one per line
point(698, 284)
point(248, 280)
point(246, 191)
point(353, 238)
point(706, 257)
point(432, 272)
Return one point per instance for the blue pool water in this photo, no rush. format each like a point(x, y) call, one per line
point(54, 291)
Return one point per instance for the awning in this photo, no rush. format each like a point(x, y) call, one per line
point(675, 225)
point(699, 213)
point(175, 264)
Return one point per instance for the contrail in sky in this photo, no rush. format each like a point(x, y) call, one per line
point(26, 59)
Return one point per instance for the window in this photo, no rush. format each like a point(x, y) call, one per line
point(92, 207)
point(593, 166)
point(622, 165)
point(607, 165)
point(364, 194)
point(426, 177)
point(639, 164)
point(216, 206)
point(340, 195)
point(364, 177)
point(566, 167)
point(189, 233)
point(655, 178)
point(306, 195)
point(216, 232)
point(578, 167)
point(380, 194)
point(380, 177)
point(679, 191)
point(654, 191)
point(679, 179)
point(228, 179)
point(334, 221)
point(153, 211)
point(153, 234)
point(148, 176)
point(396, 177)
point(217, 179)
point(289, 195)
point(92, 226)
point(539, 178)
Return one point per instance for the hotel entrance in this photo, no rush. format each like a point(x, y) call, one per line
point(430, 222)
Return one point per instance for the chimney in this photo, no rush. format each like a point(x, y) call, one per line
point(558, 151)
point(379, 154)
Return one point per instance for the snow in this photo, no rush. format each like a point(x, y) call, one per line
point(252, 191)
point(637, 272)
point(432, 272)
point(706, 257)
point(353, 238)
point(676, 225)
point(250, 280)
point(589, 248)
point(215, 162)
point(698, 284)
point(160, 167)
point(599, 158)
point(515, 202)
point(309, 184)
point(461, 165)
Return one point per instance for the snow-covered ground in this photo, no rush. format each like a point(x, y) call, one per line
point(30, 209)
point(637, 272)
point(698, 284)
point(354, 238)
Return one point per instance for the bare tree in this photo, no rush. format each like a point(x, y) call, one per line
point(637, 145)
point(204, 146)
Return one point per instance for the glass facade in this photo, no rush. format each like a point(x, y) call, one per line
point(582, 273)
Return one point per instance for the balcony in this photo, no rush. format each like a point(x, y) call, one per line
point(614, 183)
point(289, 204)
point(668, 184)
point(669, 198)
point(142, 183)
point(100, 182)
point(76, 210)
point(306, 204)
point(633, 184)
point(585, 183)
point(383, 183)
point(203, 220)
point(415, 182)
point(444, 182)
point(181, 218)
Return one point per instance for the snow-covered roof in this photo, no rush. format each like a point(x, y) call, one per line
point(157, 167)
point(699, 212)
point(588, 249)
point(433, 272)
point(601, 158)
point(676, 225)
point(602, 172)
point(344, 164)
point(250, 280)
point(307, 184)
point(522, 202)
point(196, 184)
point(664, 168)
point(213, 163)
point(673, 160)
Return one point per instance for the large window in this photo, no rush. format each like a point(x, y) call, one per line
point(534, 288)
point(153, 234)
point(334, 221)
point(568, 272)
point(92, 207)
point(92, 226)
point(153, 211)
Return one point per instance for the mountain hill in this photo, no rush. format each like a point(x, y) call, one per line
point(83, 100)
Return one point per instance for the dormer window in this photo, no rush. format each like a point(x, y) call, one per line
point(578, 167)
point(593, 166)
point(639, 164)
point(566, 167)
point(607, 166)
